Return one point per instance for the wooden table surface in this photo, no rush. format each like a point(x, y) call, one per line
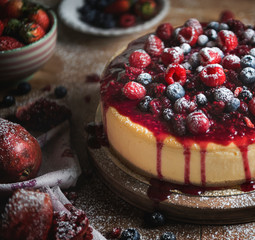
point(78, 55)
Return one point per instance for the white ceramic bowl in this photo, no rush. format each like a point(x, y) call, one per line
point(20, 63)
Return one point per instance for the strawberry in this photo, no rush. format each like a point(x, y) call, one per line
point(40, 17)
point(188, 35)
point(118, 7)
point(154, 45)
point(31, 32)
point(27, 215)
point(139, 59)
point(14, 8)
point(227, 40)
point(9, 43)
point(175, 73)
point(134, 90)
point(212, 75)
point(1, 27)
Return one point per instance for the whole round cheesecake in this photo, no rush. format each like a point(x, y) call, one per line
point(179, 105)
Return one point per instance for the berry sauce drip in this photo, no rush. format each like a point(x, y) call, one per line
point(198, 86)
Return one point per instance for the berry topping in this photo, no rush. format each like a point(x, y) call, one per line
point(247, 75)
point(155, 219)
point(212, 75)
point(164, 31)
point(175, 91)
point(154, 45)
point(175, 73)
point(248, 61)
point(134, 90)
point(223, 94)
point(233, 105)
point(139, 59)
point(144, 78)
point(227, 40)
point(209, 56)
point(172, 55)
point(155, 106)
point(28, 215)
point(130, 234)
point(193, 22)
point(188, 35)
point(168, 236)
point(197, 123)
point(231, 61)
point(145, 104)
point(60, 91)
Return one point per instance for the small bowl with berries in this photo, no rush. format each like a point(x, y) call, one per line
point(28, 34)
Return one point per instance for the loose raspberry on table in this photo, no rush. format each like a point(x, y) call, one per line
point(212, 75)
point(164, 31)
point(197, 123)
point(227, 40)
point(154, 45)
point(231, 61)
point(172, 55)
point(139, 59)
point(175, 73)
point(209, 56)
point(134, 90)
point(188, 35)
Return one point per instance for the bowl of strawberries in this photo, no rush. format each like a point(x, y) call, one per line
point(28, 34)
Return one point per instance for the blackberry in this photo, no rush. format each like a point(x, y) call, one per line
point(155, 219)
point(211, 34)
point(168, 114)
point(179, 125)
point(144, 78)
point(248, 61)
point(130, 234)
point(168, 236)
point(144, 104)
point(8, 101)
point(60, 91)
point(201, 99)
point(233, 105)
point(223, 94)
point(175, 91)
point(246, 95)
point(23, 88)
point(247, 75)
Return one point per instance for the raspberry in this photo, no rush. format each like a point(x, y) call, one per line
point(231, 61)
point(172, 55)
point(226, 15)
point(216, 108)
point(182, 105)
point(9, 43)
point(193, 22)
point(251, 106)
point(212, 75)
point(209, 56)
point(127, 20)
point(134, 90)
point(236, 26)
point(188, 35)
point(227, 40)
point(139, 59)
point(155, 106)
point(164, 31)
point(154, 45)
point(175, 73)
point(197, 123)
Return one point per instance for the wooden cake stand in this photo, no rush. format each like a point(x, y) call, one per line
point(228, 206)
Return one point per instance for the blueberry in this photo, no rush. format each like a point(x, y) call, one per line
point(104, 20)
point(223, 94)
point(168, 114)
point(246, 95)
point(247, 75)
point(101, 4)
point(252, 52)
point(88, 14)
point(130, 234)
point(201, 99)
point(248, 61)
point(248, 34)
point(60, 91)
point(211, 34)
point(187, 65)
point(8, 101)
point(175, 91)
point(211, 44)
point(168, 236)
point(199, 68)
point(23, 88)
point(186, 48)
point(144, 104)
point(213, 25)
point(233, 105)
point(202, 40)
point(155, 219)
point(252, 41)
point(144, 78)
point(223, 26)
point(194, 60)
